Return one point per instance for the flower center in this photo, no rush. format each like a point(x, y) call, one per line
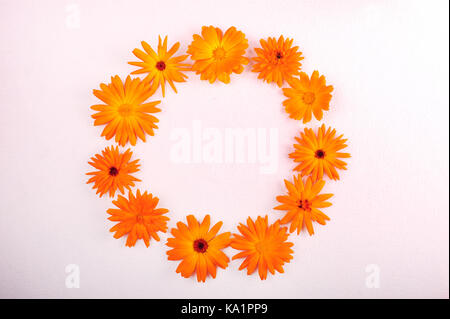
point(125, 109)
point(200, 245)
point(113, 171)
point(320, 154)
point(219, 53)
point(304, 204)
point(261, 247)
point(279, 55)
point(139, 218)
point(161, 65)
point(309, 97)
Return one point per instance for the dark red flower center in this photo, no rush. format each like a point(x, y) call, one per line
point(161, 65)
point(320, 154)
point(113, 171)
point(279, 55)
point(200, 245)
point(304, 204)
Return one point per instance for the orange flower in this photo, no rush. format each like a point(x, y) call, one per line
point(138, 217)
point(161, 66)
point(113, 171)
point(217, 55)
point(317, 154)
point(307, 96)
point(198, 247)
point(125, 113)
point(302, 204)
point(277, 61)
point(263, 247)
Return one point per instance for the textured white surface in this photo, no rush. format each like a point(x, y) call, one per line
point(388, 63)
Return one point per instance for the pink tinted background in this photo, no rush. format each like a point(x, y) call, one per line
point(388, 63)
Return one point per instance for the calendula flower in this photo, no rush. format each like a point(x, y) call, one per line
point(113, 172)
point(161, 66)
point(198, 247)
point(277, 61)
point(303, 204)
point(307, 96)
point(264, 247)
point(217, 55)
point(124, 112)
point(319, 154)
point(138, 217)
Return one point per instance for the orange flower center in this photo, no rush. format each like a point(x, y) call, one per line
point(125, 109)
point(309, 97)
point(320, 154)
point(140, 218)
point(219, 53)
point(200, 245)
point(161, 65)
point(261, 247)
point(304, 204)
point(113, 171)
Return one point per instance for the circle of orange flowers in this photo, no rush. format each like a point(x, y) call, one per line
point(196, 244)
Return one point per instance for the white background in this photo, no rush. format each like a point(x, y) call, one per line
point(388, 63)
